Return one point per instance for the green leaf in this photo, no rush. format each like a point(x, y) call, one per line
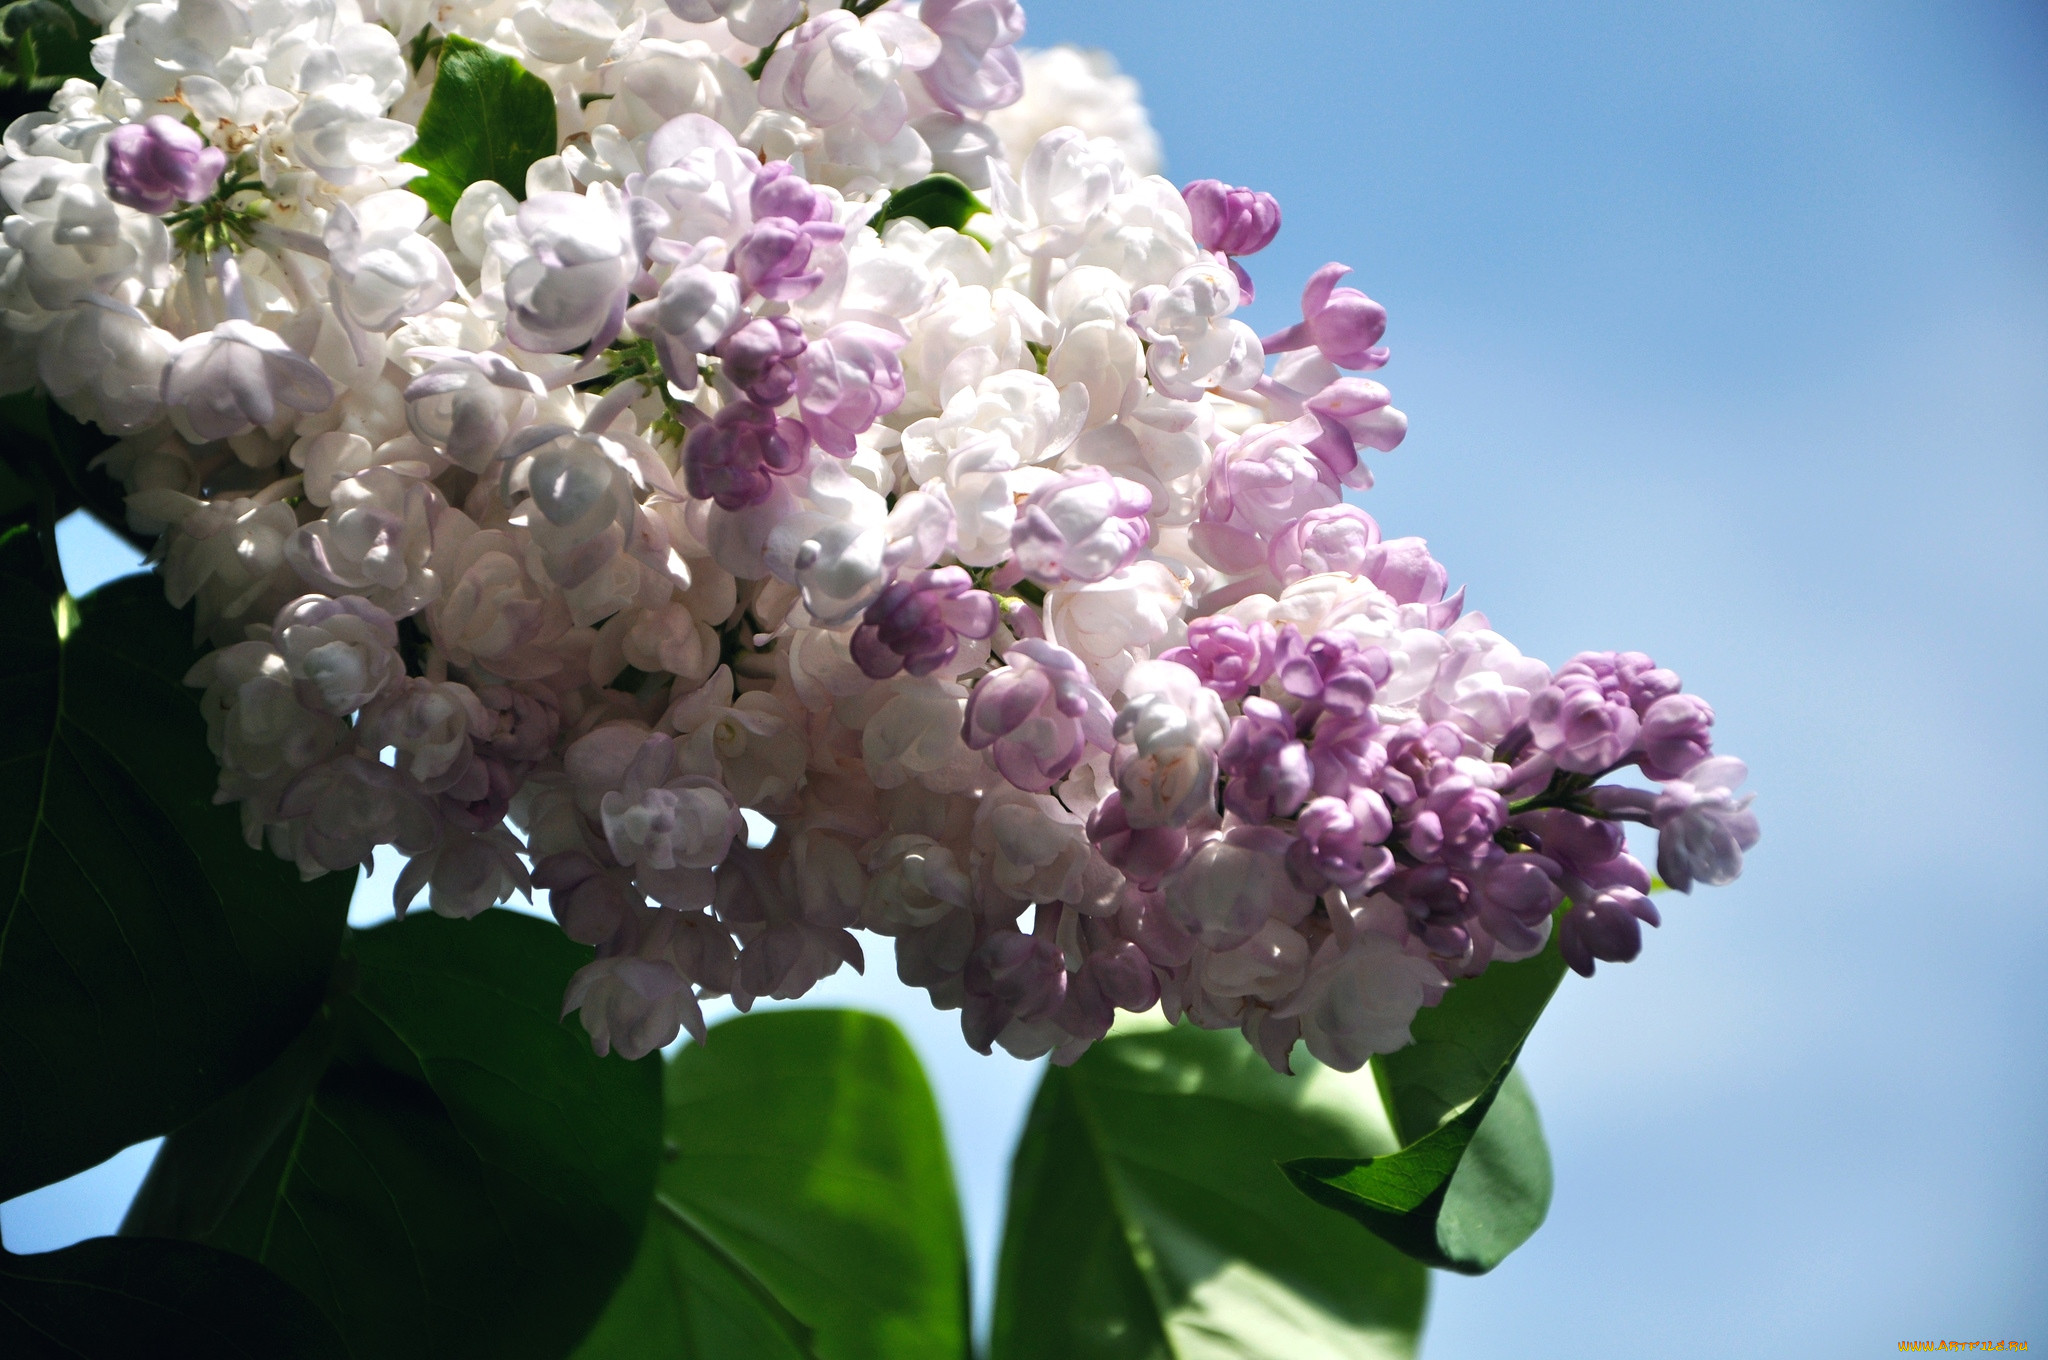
point(150, 961)
point(49, 42)
point(442, 1165)
point(1472, 1179)
point(487, 118)
point(935, 200)
point(1148, 1217)
point(806, 1206)
point(111, 1298)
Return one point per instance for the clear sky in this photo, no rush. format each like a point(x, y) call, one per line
point(1724, 334)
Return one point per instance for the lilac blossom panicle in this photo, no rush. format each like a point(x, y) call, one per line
point(1022, 587)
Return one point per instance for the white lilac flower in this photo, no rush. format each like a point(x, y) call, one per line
point(383, 268)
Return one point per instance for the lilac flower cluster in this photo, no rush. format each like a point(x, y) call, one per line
point(1001, 566)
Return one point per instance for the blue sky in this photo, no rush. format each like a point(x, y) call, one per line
point(1723, 331)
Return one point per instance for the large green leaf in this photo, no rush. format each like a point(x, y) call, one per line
point(150, 961)
point(1148, 1217)
point(441, 1165)
point(1472, 1179)
point(487, 118)
point(111, 1298)
point(805, 1206)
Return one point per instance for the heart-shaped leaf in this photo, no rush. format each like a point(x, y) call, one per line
point(1148, 1217)
point(1472, 1179)
point(442, 1165)
point(487, 118)
point(805, 1205)
point(111, 1298)
point(150, 961)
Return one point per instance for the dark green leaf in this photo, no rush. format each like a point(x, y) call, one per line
point(1148, 1217)
point(51, 454)
point(150, 961)
point(48, 42)
point(806, 1207)
point(487, 118)
point(1472, 1179)
point(935, 200)
point(111, 1298)
point(442, 1166)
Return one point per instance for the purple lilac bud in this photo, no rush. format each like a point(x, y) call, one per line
point(1086, 526)
point(1580, 845)
point(1341, 844)
point(1145, 921)
point(1027, 974)
point(1414, 752)
point(1455, 822)
point(590, 902)
point(734, 459)
point(1343, 323)
point(1438, 901)
point(1230, 658)
point(1230, 220)
point(483, 797)
point(1644, 680)
point(916, 623)
point(1335, 538)
point(1144, 854)
point(774, 258)
point(1608, 927)
point(1123, 975)
point(759, 358)
point(779, 191)
point(1330, 673)
point(525, 719)
point(1516, 896)
point(1036, 714)
point(1677, 735)
point(155, 165)
point(1266, 768)
point(846, 382)
point(1584, 719)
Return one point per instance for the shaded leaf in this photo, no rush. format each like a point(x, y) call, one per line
point(50, 454)
point(1472, 1180)
point(112, 1298)
point(935, 200)
point(1148, 1217)
point(150, 961)
point(487, 118)
point(687, 1298)
point(48, 42)
point(806, 1206)
point(441, 1165)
